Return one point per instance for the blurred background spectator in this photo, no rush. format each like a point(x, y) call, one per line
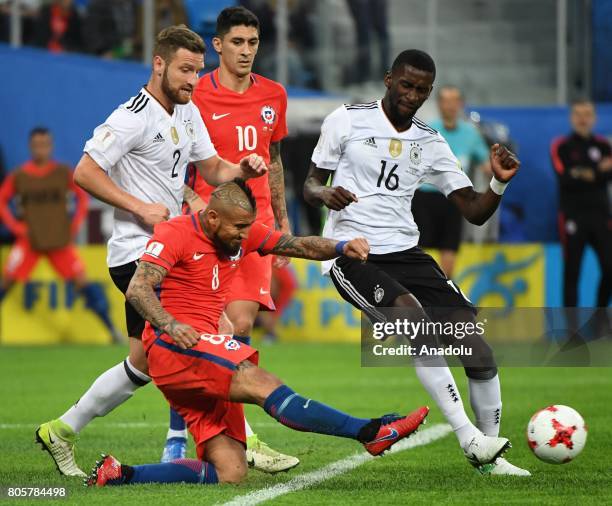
point(110, 28)
point(372, 31)
point(58, 27)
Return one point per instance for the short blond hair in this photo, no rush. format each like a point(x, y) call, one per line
point(173, 38)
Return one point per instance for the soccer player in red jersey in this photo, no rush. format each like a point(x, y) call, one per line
point(180, 287)
point(46, 229)
point(244, 113)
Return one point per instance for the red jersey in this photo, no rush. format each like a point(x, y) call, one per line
point(240, 124)
point(199, 276)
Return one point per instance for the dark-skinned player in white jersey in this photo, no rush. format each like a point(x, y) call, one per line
point(377, 155)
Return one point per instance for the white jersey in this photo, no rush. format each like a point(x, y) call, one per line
point(383, 167)
point(145, 151)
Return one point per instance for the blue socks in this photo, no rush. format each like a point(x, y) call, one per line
point(177, 471)
point(176, 421)
point(299, 413)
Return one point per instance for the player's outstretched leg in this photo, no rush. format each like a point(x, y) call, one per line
point(111, 388)
point(109, 471)
point(221, 462)
point(253, 385)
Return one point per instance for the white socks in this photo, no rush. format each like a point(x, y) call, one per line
point(437, 379)
point(110, 389)
point(485, 398)
point(177, 433)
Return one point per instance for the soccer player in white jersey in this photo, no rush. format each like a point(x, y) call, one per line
point(136, 162)
point(377, 155)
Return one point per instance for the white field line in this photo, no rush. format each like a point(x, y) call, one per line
point(302, 481)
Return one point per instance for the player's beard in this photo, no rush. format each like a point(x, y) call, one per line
point(172, 93)
point(226, 248)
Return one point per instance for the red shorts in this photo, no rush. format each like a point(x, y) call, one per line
point(252, 281)
point(196, 383)
point(22, 259)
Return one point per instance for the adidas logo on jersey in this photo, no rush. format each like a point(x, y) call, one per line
point(159, 138)
point(370, 142)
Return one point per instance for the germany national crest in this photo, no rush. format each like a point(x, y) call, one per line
point(415, 153)
point(268, 114)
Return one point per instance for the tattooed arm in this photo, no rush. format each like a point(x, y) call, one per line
point(141, 295)
point(276, 180)
point(319, 248)
point(193, 200)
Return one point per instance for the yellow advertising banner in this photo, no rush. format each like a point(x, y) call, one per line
point(48, 310)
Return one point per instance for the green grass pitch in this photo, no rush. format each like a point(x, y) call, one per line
point(38, 384)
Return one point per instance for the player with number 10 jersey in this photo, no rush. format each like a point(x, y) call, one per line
point(240, 124)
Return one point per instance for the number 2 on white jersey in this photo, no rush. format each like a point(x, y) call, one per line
point(215, 277)
point(247, 137)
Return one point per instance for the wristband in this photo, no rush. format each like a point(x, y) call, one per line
point(497, 186)
point(340, 247)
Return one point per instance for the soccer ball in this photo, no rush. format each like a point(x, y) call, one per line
point(556, 434)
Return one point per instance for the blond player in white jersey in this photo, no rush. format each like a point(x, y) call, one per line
point(136, 162)
point(377, 154)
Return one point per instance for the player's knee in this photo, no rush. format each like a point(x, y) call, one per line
point(252, 384)
point(137, 356)
point(481, 373)
point(243, 325)
point(231, 471)
point(480, 363)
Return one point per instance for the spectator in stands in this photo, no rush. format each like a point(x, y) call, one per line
point(439, 221)
point(583, 163)
point(110, 28)
point(59, 27)
point(370, 17)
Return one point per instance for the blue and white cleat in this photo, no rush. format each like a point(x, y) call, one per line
point(176, 448)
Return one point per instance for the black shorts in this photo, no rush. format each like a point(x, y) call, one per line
point(379, 281)
point(121, 276)
point(438, 219)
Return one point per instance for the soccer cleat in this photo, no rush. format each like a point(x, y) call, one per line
point(263, 458)
point(502, 467)
point(106, 470)
point(485, 449)
point(58, 439)
point(394, 428)
point(176, 448)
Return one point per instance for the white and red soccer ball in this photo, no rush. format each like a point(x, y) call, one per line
point(556, 434)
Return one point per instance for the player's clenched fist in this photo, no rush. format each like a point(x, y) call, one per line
point(358, 249)
point(253, 166)
point(184, 335)
point(152, 214)
point(504, 163)
point(337, 198)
